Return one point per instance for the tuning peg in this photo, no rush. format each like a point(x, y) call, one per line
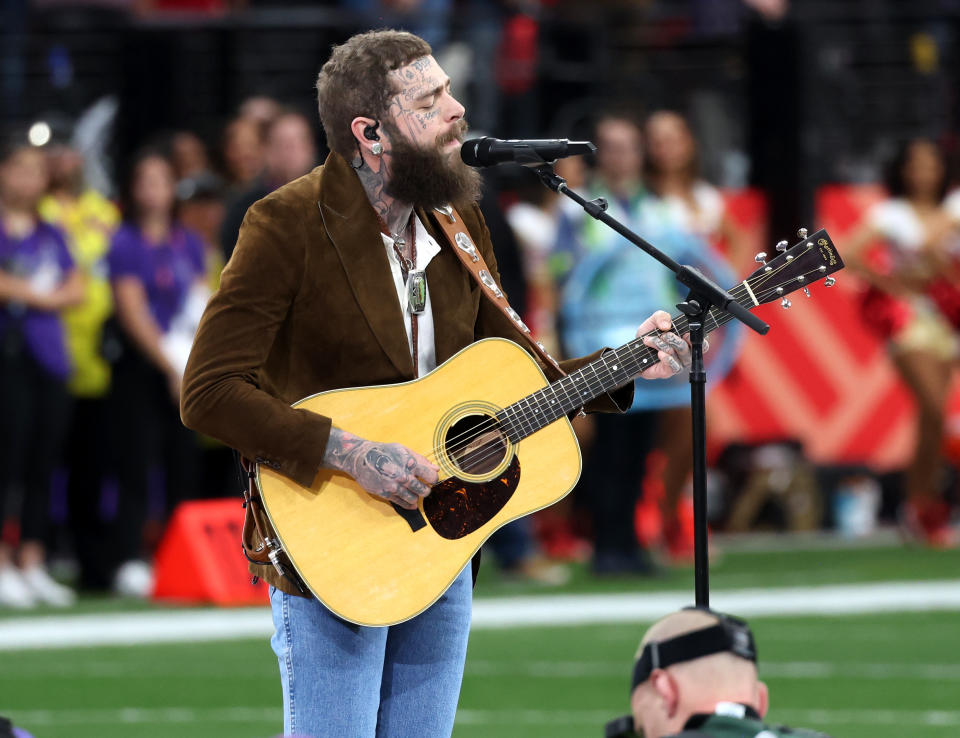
point(806, 291)
point(829, 282)
point(802, 233)
point(761, 258)
point(785, 303)
point(782, 245)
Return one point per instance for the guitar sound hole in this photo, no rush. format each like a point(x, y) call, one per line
point(475, 444)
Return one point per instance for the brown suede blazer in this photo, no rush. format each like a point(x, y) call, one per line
point(307, 304)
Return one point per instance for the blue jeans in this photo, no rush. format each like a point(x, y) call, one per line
point(343, 681)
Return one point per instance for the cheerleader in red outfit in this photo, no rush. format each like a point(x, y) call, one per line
point(910, 285)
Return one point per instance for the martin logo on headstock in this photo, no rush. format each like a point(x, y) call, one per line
point(827, 251)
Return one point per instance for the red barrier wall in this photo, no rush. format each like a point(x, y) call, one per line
point(819, 375)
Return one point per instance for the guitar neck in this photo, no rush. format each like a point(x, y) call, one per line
point(810, 260)
point(614, 369)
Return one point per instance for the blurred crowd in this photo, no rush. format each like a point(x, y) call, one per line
point(99, 301)
point(590, 288)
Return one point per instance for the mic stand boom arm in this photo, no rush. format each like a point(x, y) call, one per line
point(699, 285)
point(703, 295)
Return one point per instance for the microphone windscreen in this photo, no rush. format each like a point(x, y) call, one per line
point(470, 152)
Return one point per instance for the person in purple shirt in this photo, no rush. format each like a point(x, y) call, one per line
point(158, 277)
point(37, 280)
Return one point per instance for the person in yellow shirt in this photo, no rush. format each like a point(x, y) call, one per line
point(89, 220)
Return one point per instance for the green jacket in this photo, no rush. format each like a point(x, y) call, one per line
point(749, 726)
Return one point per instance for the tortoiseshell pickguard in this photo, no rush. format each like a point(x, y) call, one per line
point(456, 508)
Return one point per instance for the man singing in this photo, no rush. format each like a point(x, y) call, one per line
point(315, 298)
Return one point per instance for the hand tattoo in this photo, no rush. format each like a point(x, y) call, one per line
point(676, 351)
point(390, 471)
point(382, 463)
point(674, 340)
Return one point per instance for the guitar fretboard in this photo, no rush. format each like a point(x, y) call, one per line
point(806, 262)
point(614, 369)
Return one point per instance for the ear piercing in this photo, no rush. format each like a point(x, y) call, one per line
point(377, 148)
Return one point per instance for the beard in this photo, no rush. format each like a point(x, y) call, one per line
point(429, 177)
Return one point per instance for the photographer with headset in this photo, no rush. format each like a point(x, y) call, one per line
point(695, 676)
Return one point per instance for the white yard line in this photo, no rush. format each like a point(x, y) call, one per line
point(909, 718)
point(104, 629)
point(843, 599)
point(814, 717)
point(467, 716)
point(133, 628)
point(562, 669)
point(146, 716)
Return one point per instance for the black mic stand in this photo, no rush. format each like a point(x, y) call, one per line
point(704, 294)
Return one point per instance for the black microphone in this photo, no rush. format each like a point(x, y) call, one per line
point(487, 152)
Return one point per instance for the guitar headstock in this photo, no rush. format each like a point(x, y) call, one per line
point(809, 260)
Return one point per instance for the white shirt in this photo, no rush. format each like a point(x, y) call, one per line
point(952, 204)
point(706, 219)
point(427, 248)
point(898, 222)
point(536, 231)
point(536, 228)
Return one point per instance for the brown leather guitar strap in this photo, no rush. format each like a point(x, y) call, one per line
point(251, 498)
point(269, 550)
point(459, 239)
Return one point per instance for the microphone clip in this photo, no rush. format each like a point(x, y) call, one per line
point(594, 208)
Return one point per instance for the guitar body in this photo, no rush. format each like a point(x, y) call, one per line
point(373, 564)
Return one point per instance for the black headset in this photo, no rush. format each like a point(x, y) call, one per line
point(370, 132)
point(728, 634)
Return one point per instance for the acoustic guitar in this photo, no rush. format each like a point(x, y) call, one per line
point(505, 450)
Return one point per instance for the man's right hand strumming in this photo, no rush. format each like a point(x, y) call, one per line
point(390, 471)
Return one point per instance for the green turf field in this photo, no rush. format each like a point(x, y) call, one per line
point(866, 676)
point(733, 568)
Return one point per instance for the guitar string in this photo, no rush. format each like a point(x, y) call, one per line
point(525, 417)
point(635, 351)
point(535, 424)
point(454, 444)
point(472, 433)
